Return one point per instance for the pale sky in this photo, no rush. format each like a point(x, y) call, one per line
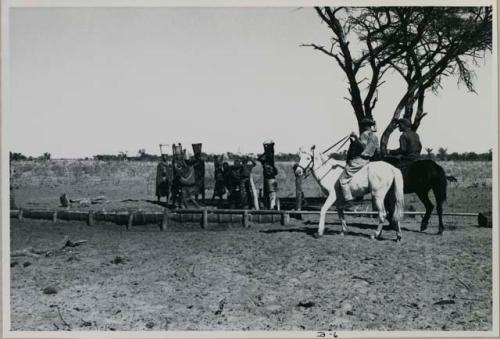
point(86, 81)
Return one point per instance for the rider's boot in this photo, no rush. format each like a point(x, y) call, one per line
point(348, 198)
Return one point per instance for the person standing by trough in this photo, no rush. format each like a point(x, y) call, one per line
point(235, 193)
point(219, 181)
point(198, 164)
point(163, 179)
point(299, 193)
point(177, 159)
point(269, 172)
point(246, 190)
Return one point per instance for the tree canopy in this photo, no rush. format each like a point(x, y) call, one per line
point(422, 44)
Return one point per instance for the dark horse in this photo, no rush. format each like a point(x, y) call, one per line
point(419, 177)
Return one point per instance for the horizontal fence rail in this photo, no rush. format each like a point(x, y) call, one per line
point(203, 216)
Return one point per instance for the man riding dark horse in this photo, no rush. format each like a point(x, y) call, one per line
point(409, 144)
point(420, 175)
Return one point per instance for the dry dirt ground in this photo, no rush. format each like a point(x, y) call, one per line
point(266, 277)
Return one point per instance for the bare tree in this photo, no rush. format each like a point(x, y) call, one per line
point(423, 44)
point(451, 42)
point(357, 24)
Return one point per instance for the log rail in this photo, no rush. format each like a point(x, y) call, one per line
point(162, 218)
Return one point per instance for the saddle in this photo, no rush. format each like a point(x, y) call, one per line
point(403, 164)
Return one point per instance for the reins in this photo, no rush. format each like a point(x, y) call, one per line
point(344, 139)
point(311, 162)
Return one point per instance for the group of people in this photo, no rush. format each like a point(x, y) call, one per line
point(236, 180)
point(366, 147)
point(183, 172)
point(233, 182)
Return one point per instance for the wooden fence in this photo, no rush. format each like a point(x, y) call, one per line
point(203, 216)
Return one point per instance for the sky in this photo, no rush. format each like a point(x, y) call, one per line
point(87, 81)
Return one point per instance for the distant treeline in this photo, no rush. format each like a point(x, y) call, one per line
point(442, 155)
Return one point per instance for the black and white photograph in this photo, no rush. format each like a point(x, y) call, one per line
point(231, 169)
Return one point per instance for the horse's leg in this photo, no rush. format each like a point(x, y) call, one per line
point(379, 204)
point(424, 197)
point(439, 209)
point(328, 203)
point(439, 189)
point(342, 221)
point(389, 203)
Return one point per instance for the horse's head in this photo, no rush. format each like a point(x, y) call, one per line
point(306, 162)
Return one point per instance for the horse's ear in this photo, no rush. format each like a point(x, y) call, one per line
point(313, 147)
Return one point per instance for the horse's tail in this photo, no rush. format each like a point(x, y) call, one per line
point(399, 195)
point(440, 184)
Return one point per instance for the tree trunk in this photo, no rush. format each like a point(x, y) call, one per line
point(420, 110)
point(384, 140)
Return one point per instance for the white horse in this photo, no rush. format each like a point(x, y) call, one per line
point(378, 178)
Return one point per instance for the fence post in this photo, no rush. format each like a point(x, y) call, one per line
point(285, 218)
point(164, 222)
point(245, 219)
point(54, 216)
point(20, 215)
point(299, 193)
point(90, 219)
point(130, 220)
point(204, 219)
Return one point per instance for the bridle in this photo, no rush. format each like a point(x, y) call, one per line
point(309, 168)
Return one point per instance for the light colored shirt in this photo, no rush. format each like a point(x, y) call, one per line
point(370, 144)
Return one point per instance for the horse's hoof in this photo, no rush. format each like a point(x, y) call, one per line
point(342, 233)
point(317, 235)
point(423, 227)
point(398, 238)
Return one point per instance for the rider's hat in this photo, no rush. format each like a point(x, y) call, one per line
point(404, 122)
point(367, 122)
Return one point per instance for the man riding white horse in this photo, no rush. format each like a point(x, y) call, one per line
point(367, 146)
